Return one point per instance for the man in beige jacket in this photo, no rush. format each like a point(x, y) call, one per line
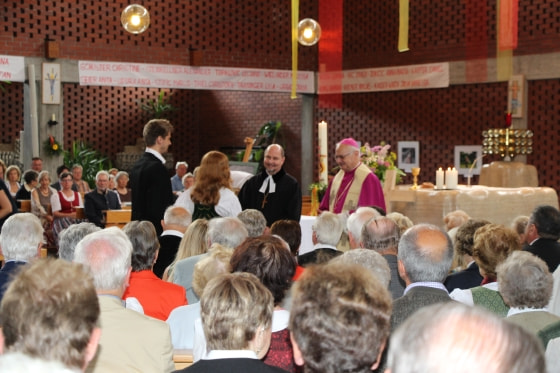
point(129, 341)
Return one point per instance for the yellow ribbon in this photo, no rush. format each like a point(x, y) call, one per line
point(403, 25)
point(295, 19)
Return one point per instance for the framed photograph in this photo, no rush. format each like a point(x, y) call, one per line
point(408, 155)
point(51, 83)
point(468, 157)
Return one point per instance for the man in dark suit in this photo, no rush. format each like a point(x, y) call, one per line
point(424, 258)
point(149, 179)
point(542, 234)
point(327, 230)
point(100, 199)
point(21, 241)
point(175, 222)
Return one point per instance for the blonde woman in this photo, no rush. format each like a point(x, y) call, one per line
point(12, 178)
point(211, 195)
point(193, 243)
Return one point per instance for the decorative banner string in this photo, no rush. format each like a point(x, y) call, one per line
point(507, 24)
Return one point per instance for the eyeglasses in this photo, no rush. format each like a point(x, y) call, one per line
point(337, 157)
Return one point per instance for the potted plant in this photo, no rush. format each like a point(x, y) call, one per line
point(159, 107)
point(90, 159)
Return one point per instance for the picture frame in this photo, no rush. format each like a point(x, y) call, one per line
point(468, 159)
point(51, 86)
point(408, 155)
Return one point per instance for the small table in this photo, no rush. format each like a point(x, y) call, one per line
point(498, 205)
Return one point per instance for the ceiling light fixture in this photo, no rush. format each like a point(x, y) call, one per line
point(135, 19)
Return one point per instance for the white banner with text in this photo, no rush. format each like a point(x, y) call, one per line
point(125, 74)
point(12, 68)
point(396, 78)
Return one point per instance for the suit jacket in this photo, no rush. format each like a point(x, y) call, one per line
point(233, 365)
point(151, 190)
point(413, 300)
point(95, 203)
point(466, 279)
point(183, 275)
point(396, 284)
point(168, 246)
point(318, 256)
point(546, 249)
point(130, 341)
point(157, 297)
point(7, 273)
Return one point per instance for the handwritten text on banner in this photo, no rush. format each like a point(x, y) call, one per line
point(395, 78)
point(188, 77)
point(12, 68)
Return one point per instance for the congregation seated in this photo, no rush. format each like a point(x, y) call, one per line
point(453, 337)
point(493, 243)
point(254, 221)
point(21, 241)
point(327, 230)
point(81, 185)
point(29, 183)
point(339, 319)
point(526, 287)
point(236, 311)
point(70, 237)
point(175, 222)
point(370, 260)
point(381, 234)
point(100, 199)
point(229, 232)
point(425, 253)
point(470, 276)
point(64, 205)
point(129, 341)
point(289, 231)
point(193, 243)
point(41, 205)
point(12, 178)
point(269, 258)
point(519, 225)
point(124, 192)
point(355, 223)
point(542, 235)
point(157, 297)
point(182, 319)
point(51, 312)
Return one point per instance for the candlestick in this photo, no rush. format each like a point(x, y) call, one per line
point(53, 117)
point(323, 157)
point(439, 179)
point(451, 178)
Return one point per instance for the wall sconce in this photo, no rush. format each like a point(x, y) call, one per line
point(135, 19)
point(52, 121)
point(309, 32)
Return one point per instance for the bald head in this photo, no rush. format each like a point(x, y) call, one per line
point(381, 234)
point(273, 159)
point(425, 252)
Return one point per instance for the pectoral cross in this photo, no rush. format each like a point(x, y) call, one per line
point(264, 201)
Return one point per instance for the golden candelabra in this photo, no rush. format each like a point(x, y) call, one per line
point(507, 142)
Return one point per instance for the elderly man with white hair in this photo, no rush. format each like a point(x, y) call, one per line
point(177, 179)
point(175, 222)
point(100, 199)
point(129, 340)
point(356, 221)
point(454, 337)
point(327, 230)
point(21, 240)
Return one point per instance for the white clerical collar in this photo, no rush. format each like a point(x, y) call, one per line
point(271, 185)
point(156, 153)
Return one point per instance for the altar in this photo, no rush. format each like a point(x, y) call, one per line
point(498, 205)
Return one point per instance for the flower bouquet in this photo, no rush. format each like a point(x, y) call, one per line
point(52, 147)
point(379, 159)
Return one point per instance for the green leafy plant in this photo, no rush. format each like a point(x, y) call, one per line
point(90, 159)
point(159, 107)
point(2, 88)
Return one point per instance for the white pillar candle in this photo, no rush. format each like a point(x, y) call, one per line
point(439, 179)
point(323, 154)
point(451, 178)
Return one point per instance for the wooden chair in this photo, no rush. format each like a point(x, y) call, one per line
point(305, 205)
point(117, 218)
point(24, 205)
point(182, 358)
